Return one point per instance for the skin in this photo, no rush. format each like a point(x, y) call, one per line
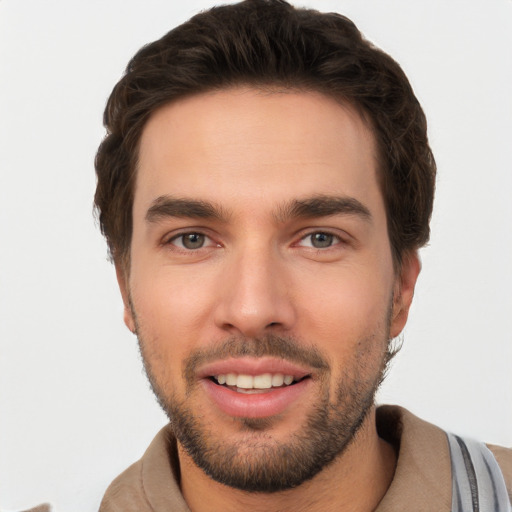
point(251, 154)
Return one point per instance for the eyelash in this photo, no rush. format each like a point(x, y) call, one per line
point(182, 236)
point(335, 240)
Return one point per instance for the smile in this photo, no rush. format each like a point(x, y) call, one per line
point(255, 387)
point(246, 383)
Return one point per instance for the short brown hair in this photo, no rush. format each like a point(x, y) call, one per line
point(270, 43)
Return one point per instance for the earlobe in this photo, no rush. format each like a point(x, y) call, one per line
point(123, 287)
point(404, 292)
point(128, 319)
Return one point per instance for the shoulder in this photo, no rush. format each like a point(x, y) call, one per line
point(422, 474)
point(425, 461)
point(504, 458)
point(151, 483)
point(126, 492)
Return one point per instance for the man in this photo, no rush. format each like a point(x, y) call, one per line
point(264, 187)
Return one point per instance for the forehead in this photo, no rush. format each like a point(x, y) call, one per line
point(244, 145)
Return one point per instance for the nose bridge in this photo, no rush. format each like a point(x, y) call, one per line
point(254, 295)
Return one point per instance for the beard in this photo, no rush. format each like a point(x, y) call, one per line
point(257, 462)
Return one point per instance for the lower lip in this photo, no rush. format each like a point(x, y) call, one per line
point(255, 405)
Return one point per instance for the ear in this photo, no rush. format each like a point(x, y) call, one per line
point(122, 281)
point(404, 292)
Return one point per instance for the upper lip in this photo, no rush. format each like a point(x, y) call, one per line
point(252, 366)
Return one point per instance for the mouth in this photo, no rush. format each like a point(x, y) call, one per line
point(250, 384)
point(255, 387)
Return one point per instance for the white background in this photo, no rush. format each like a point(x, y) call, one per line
point(75, 408)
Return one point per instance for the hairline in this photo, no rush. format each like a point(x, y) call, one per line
point(269, 87)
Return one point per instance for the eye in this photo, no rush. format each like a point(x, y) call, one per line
point(319, 240)
point(191, 241)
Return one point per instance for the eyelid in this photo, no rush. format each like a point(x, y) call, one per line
point(169, 238)
point(302, 242)
point(340, 237)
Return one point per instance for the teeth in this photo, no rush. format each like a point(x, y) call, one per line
point(263, 381)
point(277, 380)
point(245, 381)
point(231, 379)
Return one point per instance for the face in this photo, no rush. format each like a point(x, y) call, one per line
point(261, 283)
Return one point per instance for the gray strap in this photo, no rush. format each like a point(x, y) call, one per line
point(477, 481)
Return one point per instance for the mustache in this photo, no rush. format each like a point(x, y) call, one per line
point(282, 347)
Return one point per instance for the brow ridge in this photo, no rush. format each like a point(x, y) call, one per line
point(323, 206)
point(310, 207)
point(169, 206)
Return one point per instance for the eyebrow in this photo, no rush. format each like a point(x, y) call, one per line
point(316, 206)
point(323, 206)
point(168, 206)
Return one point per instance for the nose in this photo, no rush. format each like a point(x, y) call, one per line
point(254, 295)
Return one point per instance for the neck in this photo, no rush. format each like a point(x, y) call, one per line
point(355, 481)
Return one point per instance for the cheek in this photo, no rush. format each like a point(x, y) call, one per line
point(171, 310)
point(345, 308)
point(173, 296)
